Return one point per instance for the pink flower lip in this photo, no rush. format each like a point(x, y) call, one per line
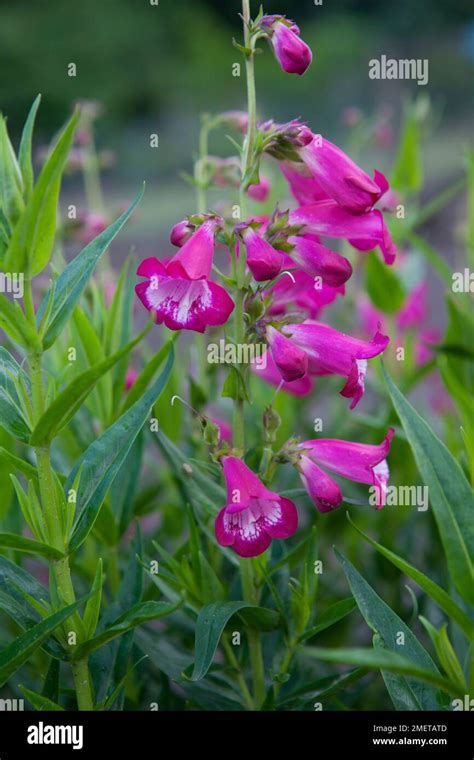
point(253, 515)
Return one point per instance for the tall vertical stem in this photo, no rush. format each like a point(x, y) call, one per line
point(246, 567)
point(53, 516)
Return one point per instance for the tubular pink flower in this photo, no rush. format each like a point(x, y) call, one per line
point(331, 352)
point(263, 260)
point(360, 462)
point(364, 231)
point(317, 260)
point(179, 291)
point(340, 178)
point(253, 515)
point(293, 55)
point(292, 362)
point(261, 191)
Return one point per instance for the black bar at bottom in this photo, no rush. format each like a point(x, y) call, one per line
point(137, 734)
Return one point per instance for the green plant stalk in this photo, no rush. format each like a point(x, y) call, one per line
point(246, 566)
point(240, 679)
point(53, 517)
point(253, 636)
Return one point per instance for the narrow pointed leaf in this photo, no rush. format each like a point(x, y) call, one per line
point(102, 460)
point(71, 283)
point(450, 495)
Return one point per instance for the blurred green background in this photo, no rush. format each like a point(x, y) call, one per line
point(156, 68)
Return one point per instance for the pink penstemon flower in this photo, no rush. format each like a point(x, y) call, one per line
point(253, 515)
point(180, 291)
point(293, 55)
point(329, 352)
point(360, 462)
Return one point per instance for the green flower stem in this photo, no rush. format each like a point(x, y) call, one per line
point(80, 671)
point(246, 566)
point(53, 517)
point(255, 647)
point(232, 659)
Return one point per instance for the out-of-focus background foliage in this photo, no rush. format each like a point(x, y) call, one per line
point(155, 68)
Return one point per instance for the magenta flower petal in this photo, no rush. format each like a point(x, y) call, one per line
point(291, 361)
point(364, 231)
point(318, 261)
point(151, 267)
point(253, 515)
point(341, 178)
point(324, 492)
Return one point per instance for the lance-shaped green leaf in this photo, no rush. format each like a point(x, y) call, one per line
point(384, 660)
point(16, 463)
point(335, 612)
point(11, 416)
point(33, 237)
point(71, 283)
point(438, 594)
point(446, 654)
point(395, 636)
point(101, 462)
point(11, 185)
point(210, 625)
point(21, 649)
point(14, 323)
point(92, 610)
point(407, 173)
point(450, 494)
point(28, 545)
point(39, 701)
point(383, 285)
point(137, 615)
point(66, 404)
point(24, 153)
